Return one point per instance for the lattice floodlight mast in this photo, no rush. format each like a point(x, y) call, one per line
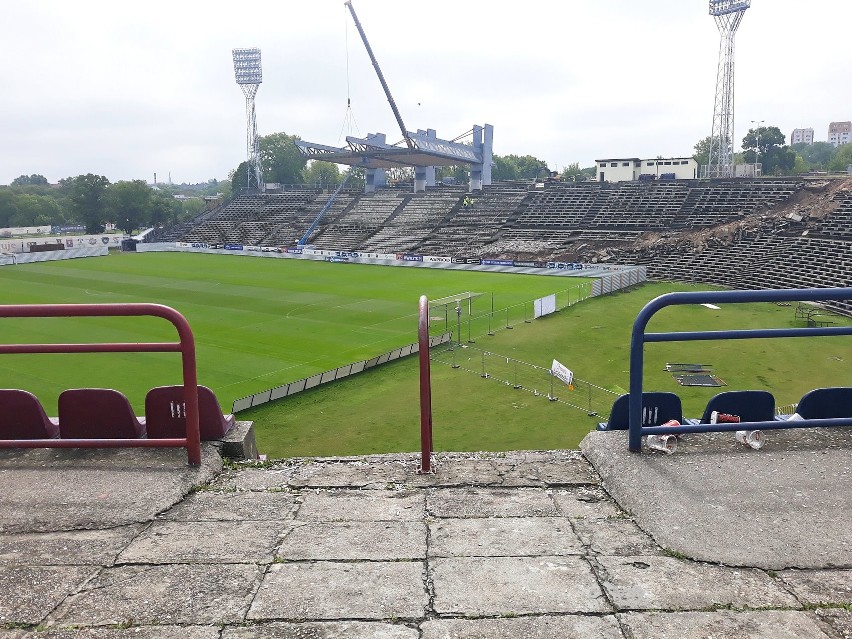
point(247, 71)
point(728, 15)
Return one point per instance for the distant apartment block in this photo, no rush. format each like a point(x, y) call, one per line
point(840, 133)
point(802, 136)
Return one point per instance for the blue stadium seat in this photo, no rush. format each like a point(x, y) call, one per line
point(657, 409)
point(750, 406)
point(826, 403)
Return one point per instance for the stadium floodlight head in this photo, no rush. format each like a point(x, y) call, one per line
point(728, 15)
point(247, 71)
point(247, 66)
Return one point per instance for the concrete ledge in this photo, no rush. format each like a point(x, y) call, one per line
point(239, 443)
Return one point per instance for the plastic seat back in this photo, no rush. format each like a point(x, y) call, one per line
point(657, 409)
point(97, 413)
point(22, 416)
point(749, 405)
point(825, 403)
point(165, 414)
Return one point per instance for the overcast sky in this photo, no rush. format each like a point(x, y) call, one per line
point(127, 89)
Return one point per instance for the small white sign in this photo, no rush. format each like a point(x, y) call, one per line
point(562, 372)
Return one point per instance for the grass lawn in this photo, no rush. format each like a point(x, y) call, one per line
point(258, 323)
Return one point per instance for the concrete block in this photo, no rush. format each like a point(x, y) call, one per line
point(208, 505)
point(29, 593)
point(502, 537)
point(768, 624)
point(365, 540)
point(354, 505)
point(616, 536)
point(322, 630)
point(72, 547)
point(563, 627)
point(183, 542)
point(820, 586)
point(482, 586)
point(490, 502)
point(666, 583)
point(136, 632)
point(240, 442)
point(588, 503)
point(330, 590)
point(167, 594)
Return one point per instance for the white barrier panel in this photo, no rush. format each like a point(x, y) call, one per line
point(52, 256)
point(544, 306)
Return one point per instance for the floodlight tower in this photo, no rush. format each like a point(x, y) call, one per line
point(248, 74)
point(728, 15)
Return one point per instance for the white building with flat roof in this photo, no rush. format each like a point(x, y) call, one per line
point(802, 136)
point(632, 169)
point(840, 133)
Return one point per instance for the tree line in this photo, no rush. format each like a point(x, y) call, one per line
point(767, 145)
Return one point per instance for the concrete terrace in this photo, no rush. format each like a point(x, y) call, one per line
point(714, 541)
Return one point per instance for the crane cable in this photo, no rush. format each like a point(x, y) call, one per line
point(349, 116)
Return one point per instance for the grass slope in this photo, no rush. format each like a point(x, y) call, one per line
point(258, 322)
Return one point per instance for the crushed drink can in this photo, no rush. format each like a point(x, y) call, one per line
point(664, 443)
point(723, 418)
point(751, 438)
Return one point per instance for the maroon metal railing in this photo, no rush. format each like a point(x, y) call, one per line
point(186, 347)
point(425, 388)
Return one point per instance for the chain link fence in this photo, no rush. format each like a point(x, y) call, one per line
point(520, 375)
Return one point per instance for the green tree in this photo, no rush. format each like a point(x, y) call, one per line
point(26, 180)
point(165, 209)
point(702, 151)
point(242, 181)
point(128, 204)
point(322, 174)
point(766, 146)
point(818, 155)
point(516, 167)
point(8, 207)
point(280, 160)
point(87, 201)
point(842, 159)
point(35, 210)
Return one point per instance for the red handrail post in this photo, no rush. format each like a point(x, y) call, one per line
point(425, 389)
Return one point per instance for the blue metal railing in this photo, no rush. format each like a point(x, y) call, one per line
point(640, 337)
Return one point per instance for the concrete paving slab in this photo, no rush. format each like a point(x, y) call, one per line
point(563, 627)
point(769, 624)
point(73, 547)
point(188, 542)
point(13, 634)
point(29, 593)
point(63, 489)
point(209, 505)
point(345, 472)
point(487, 586)
point(368, 540)
point(793, 494)
point(330, 590)
point(461, 471)
point(170, 594)
point(820, 586)
point(837, 621)
point(362, 505)
point(614, 536)
point(322, 630)
point(137, 632)
point(490, 502)
point(589, 503)
point(568, 469)
point(667, 583)
point(502, 537)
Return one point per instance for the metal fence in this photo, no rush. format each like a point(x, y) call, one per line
point(520, 375)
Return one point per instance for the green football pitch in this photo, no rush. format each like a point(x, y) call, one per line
point(263, 322)
point(258, 323)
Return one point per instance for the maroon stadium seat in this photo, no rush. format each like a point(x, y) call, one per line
point(22, 417)
point(165, 414)
point(97, 413)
